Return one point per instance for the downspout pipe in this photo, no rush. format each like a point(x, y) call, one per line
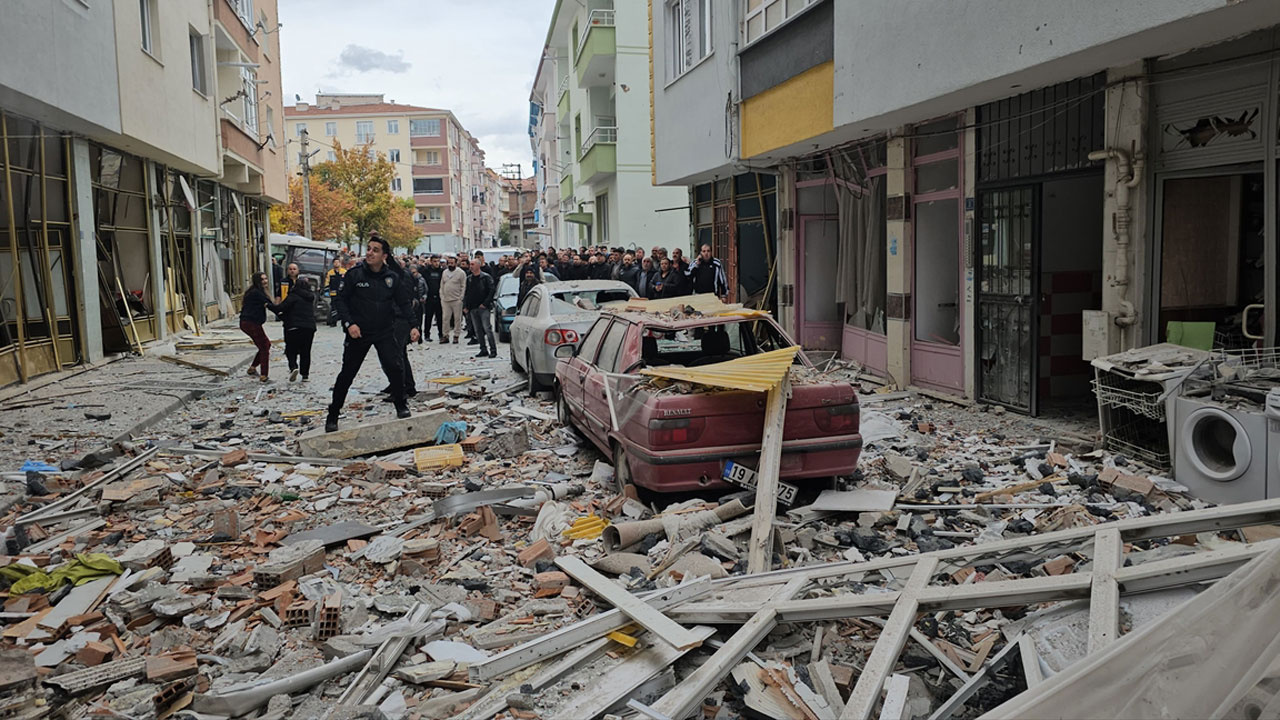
point(1128, 175)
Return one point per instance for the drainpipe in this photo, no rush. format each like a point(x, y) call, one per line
point(1128, 175)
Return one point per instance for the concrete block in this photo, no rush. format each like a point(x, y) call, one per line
point(367, 438)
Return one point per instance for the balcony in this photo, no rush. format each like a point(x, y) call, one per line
point(566, 186)
point(597, 50)
point(599, 156)
point(562, 107)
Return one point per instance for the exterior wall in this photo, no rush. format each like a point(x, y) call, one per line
point(797, 109)
point(383, 141)
point(69, 77)
point(688, 111)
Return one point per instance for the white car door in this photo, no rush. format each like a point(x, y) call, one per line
point(522, 326)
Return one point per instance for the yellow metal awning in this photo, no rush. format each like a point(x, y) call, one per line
point(579, 217)
point(758, 373)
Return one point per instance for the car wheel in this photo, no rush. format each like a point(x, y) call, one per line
point(514, 365)
point(531, 382)
point(621, 468)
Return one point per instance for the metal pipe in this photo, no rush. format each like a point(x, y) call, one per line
point(1128, 175)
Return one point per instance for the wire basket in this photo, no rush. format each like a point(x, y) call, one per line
point(1251, 358)
point(1143, 440)
point(1143, 397)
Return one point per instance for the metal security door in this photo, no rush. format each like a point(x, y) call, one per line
point(1008, 311)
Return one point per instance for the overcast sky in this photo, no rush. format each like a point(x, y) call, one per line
point(474, 57)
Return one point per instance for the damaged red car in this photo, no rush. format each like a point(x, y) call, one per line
point(680, 438)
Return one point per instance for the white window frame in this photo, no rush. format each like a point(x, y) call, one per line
point(762, 12)
point(364, 132)
point(332, 156)
point(244, 11)
point(393, 155)
point(249, 82)
point(435, 215)
point(299, 128)
point(330, 128)
point(393, 127)
point(430, 153)
point(396, 184)
point(199, 63)
point(429, 124)
point(689, 33)
point(440, 180)
point(146, 23)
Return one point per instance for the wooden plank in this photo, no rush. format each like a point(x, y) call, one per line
point(1031, 669)
point(1198, 661)
point(966, 691)
point(761, 545)
point(635, 608)
point(890, 643)
point(79, 601)
point(894, 706)
point(1104, 597)
point(619, 682)
point(820, 672)
point(193, 365)
point(1225, 517)
point(688, 695)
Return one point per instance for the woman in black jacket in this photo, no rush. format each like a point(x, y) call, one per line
point(299, 316)
point(253, 313)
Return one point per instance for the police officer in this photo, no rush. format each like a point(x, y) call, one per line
point(374, 299)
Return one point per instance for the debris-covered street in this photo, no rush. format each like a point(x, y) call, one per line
point(201, 564)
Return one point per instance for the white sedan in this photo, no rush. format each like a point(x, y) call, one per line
point(555, 314)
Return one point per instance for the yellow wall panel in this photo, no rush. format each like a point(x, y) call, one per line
point(796, 110)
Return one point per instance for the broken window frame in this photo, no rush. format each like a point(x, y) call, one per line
point(43, 334)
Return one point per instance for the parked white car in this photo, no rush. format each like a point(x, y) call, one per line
point(555, 314)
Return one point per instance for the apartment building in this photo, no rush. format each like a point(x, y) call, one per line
point(139, 169)
point(990, 214)
point(589, 132)
point(520, 210)
point(437, 161)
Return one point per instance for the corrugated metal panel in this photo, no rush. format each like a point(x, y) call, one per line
point(757, 373)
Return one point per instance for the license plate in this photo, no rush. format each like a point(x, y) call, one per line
point(741, 475)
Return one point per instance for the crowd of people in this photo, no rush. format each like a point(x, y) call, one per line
point(385, 303)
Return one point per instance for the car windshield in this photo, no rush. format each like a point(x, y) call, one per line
point(711, 344)
point(508, 285)
point(572, 301)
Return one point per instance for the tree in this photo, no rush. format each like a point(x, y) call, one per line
point(504, 233)
point(330, 212)
point(399, 229)
point(366, 179)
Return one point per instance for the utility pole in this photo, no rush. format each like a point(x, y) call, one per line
point(305, 159)
point(519, 169)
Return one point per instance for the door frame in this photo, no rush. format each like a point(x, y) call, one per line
point(835, 329)
point(921, 350)
point(1154, 262)
point(1036, 185)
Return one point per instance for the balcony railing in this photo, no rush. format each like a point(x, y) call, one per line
point(564, 85)
point(596, 18)
point(599, 136)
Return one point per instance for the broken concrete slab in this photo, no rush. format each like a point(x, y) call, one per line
point(334, 534)
point(368, 438)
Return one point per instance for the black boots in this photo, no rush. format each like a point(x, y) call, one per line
point(402, 410)
point(331, 421)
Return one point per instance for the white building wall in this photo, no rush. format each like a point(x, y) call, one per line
point(690, 121)
point(60, 63)
point(901, 61)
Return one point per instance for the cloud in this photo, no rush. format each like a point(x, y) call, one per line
point(364, 59)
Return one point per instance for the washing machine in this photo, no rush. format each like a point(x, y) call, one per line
point(1273, 443)
point(1222, 452)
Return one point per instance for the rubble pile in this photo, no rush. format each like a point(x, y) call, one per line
point(497, 570)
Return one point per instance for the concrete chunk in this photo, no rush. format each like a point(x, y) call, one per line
point(366, 438)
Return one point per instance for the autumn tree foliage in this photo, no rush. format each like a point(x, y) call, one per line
point(365, 178)
point(331, 210)
point(399, 229)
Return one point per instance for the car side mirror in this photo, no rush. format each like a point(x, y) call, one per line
point(565, 352)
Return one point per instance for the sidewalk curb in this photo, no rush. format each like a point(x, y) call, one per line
point(177, 403)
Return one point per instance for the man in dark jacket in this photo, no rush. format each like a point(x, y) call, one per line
point(706, 275)
point(628, 272)
point(478, 302)
point(374, 298)
point(648, 273)
point(434, 311)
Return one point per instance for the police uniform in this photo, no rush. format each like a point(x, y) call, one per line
point(377, 302)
